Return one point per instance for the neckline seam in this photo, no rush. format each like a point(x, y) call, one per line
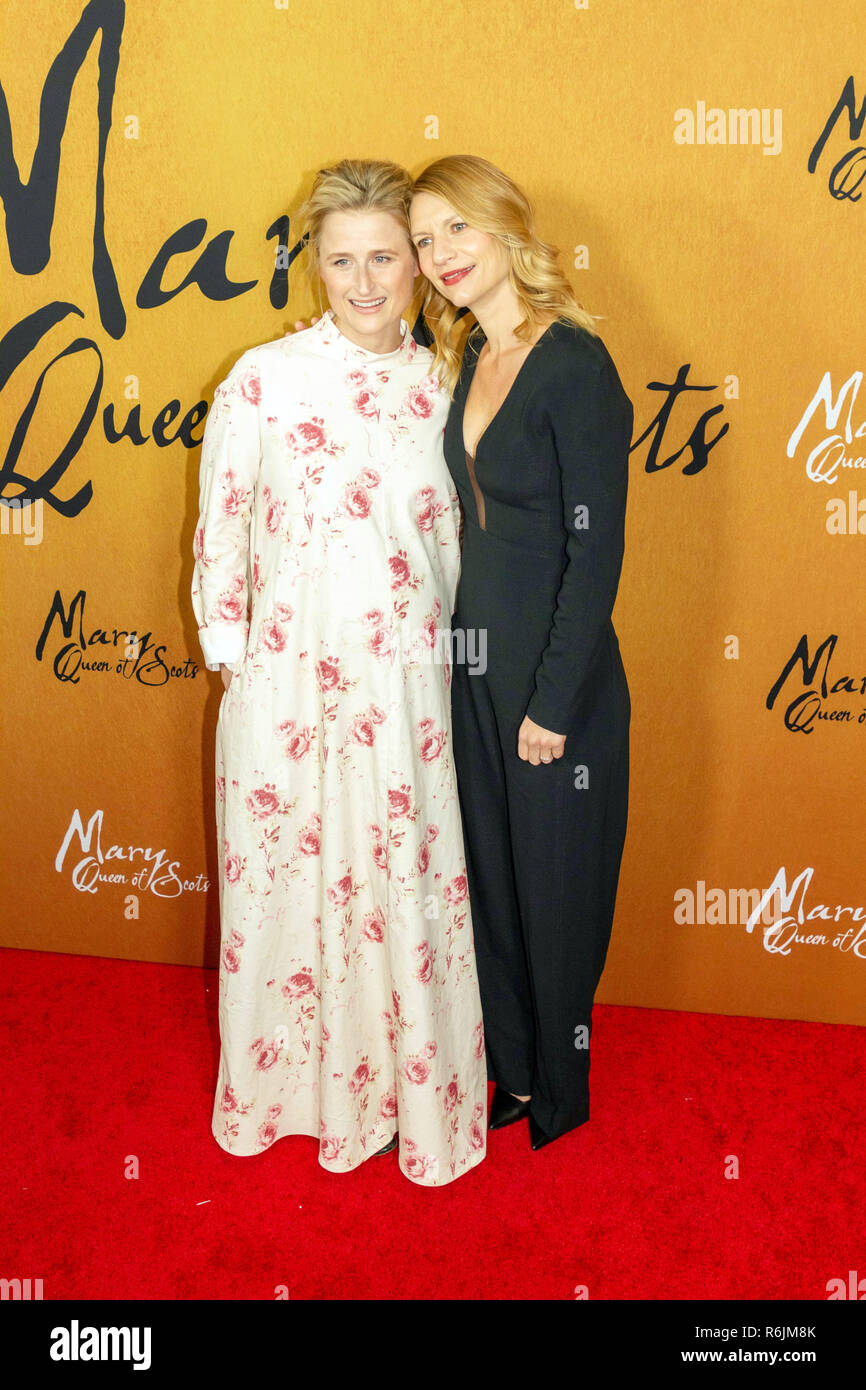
point(367, 354)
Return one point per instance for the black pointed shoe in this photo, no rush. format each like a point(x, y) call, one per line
point(388, 1147)
point(537, 1136)
point(505, 1109)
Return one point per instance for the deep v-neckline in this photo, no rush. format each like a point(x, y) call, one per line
point(505, 398)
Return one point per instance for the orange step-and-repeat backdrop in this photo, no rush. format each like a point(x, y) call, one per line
point(701, 168)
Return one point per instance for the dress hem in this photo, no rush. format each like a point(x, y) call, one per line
point(478, 1156)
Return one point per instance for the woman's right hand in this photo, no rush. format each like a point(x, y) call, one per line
point(226, 672)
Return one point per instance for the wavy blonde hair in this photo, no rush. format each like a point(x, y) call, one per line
point(354, 185)
point(490, 201)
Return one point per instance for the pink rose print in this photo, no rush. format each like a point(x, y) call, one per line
point(273, 517)
point(362, 730)
point(478, 1040)
point(422, 859)
point(427, 508)
point(381, 644)
point(429, 1049)
point(432, 832)
point(375, 617)
point(374, 925)
point(380, 855)
point(299, 985)
point(476, 1133)
point(365, 404)
point(430, 742)
point(251, 386)
point(231, 949)
point(399, 567)
point(340, 892)
point(395, 1004)
point(234, 497)
point(416, 1070)
point(332, 1147)
point(309, 839)
point(308, 436)
point(388, 1104)
point(263, 802)
point(418, 1165)
point(424, 968)
point(419, 403)
point(377, 715)
point(356, 500)
point(399, 803)
point(267, 1134)
point(265, 1053)
point(298, 745)
point(228, 1100)
point(356, 378)
point(283, 612)
point(424, 499)
point(360, 1078)
point(273, 635)
point(233, 866)
point(456, 891)
point(328, 673)
point(230, 608)
point(369, 477)
point(451, 1094)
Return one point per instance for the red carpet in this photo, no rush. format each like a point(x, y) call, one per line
point(107, 1059)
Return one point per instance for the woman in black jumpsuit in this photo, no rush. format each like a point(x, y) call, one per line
point(544, 509)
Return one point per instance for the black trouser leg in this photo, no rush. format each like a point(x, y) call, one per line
point(567, 846)
point(503, 973)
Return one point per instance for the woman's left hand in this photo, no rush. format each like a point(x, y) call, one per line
point(537, 745)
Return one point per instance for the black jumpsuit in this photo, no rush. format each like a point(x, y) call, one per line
point(539, 576)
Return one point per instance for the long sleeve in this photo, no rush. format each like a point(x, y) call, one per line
point(591, 419)
point(227, 479)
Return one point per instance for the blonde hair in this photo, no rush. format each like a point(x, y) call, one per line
point(490, 201)
point(353, 185)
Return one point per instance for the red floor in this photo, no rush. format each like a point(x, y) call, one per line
point(110, 1059)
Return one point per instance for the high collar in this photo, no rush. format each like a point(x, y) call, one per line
point(338, 344)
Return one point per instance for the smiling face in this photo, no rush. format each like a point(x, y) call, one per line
point(368, 270)
point(465, 265)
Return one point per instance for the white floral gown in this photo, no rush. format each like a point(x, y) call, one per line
point(326, 561)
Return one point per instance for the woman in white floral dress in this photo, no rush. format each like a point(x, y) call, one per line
point(326, 566)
